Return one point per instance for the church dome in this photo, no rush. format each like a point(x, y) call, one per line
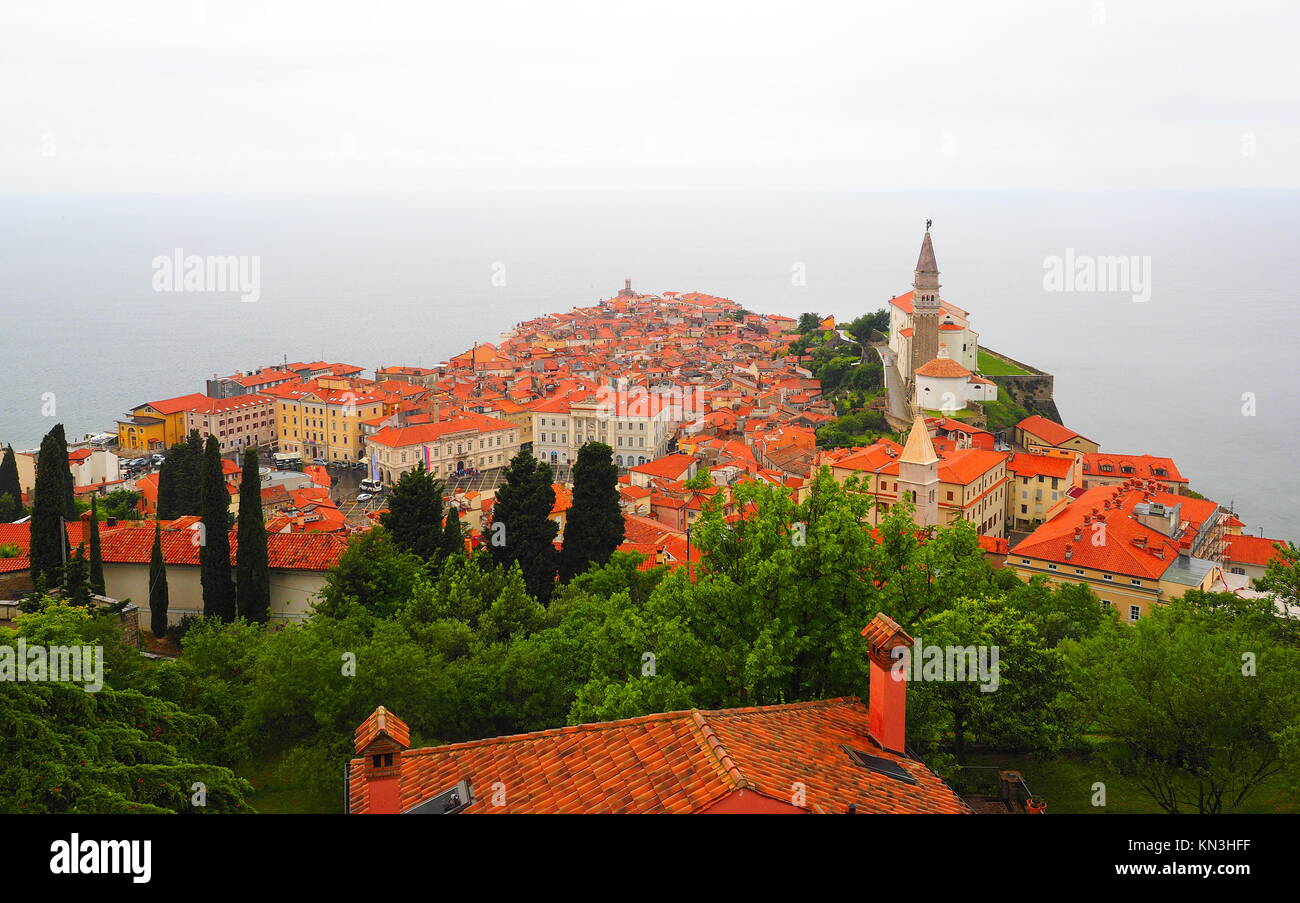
point(943, 367)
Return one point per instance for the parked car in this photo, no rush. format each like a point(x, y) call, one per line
point(364, 497)
point(371, 486)
point(320, 461)
point(158, 459)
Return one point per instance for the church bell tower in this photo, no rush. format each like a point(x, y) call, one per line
point(925, 305)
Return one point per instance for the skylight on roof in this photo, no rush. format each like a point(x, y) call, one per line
point(449, 802)
point(887, 767)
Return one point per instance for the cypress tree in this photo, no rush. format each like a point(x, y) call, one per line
point(170, 476)
point(157, 586)
point(595, 525)
point(96, 554)
point(10, 487)
point(76, 578)
point(453, 538)
point(522, 529)
point(65, 472)
point(214, 553)
point(191, 476)
point(252, 574)
point(49, 539)
point(414, 516)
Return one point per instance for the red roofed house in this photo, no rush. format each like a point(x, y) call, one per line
point(1135, 545)
point(1039, 432)
point(960, 484)
point(1110, 470)
point(1250, 555)
point(465, 441)
point(671, 467)
point(827, 756)
point(156, 425)
point(1038, 485)
point(238, 422)
point(299, 564)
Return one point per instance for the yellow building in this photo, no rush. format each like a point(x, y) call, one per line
point(157, 425)
point(1134, 545)
point(1036, 432)
point(1039, 484)
point(322, 418)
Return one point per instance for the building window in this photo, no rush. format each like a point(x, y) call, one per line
point(1107, 577)
point(1134, 612)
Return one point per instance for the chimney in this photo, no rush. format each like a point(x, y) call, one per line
point(380, 741)
point(887, 706)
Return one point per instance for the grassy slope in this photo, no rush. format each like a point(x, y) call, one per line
point(992, 366)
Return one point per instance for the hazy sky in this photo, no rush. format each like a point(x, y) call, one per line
point(183, 96)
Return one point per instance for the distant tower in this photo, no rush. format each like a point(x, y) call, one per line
point(925, 305)
point(918, 474)
point(627, 289)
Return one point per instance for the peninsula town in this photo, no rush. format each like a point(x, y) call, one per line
point(709, 420)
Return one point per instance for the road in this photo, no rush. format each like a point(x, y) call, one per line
point(898, 412)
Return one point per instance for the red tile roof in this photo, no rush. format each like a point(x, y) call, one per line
point(285, 551)
point(1049, 430)
point(1143, 467)
point(1257, 550)
point(677, 762)
point(670, 466)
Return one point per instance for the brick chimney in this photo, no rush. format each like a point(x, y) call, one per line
point(887, 707)
point(380, 742)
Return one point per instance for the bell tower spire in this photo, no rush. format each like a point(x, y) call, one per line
point(925, 305)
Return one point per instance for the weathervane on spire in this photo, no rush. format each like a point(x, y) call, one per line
point(928, 224)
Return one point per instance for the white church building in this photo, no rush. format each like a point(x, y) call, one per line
point(945, 385)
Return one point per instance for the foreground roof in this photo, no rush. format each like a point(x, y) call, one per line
point(677, 762)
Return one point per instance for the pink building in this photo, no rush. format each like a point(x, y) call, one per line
point(237, 422)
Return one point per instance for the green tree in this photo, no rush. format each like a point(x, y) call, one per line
point(76, 577)
point(372, 574)
point(595, 525)
point(115, 751)
point(171, 475)
point(1202, 701)
point(702, 480)
point(65, 474)
point(252, 568)
point(96, 553)
point(522, 530)
point(158, 597)
point(809, 322)
point(453, 537)
point(414, 515)
point(1058, 611)
point(865, 327)
point(985, 675)
point(49, 545)
point(1282, 575)
point(214, 549)
point(11, 492)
